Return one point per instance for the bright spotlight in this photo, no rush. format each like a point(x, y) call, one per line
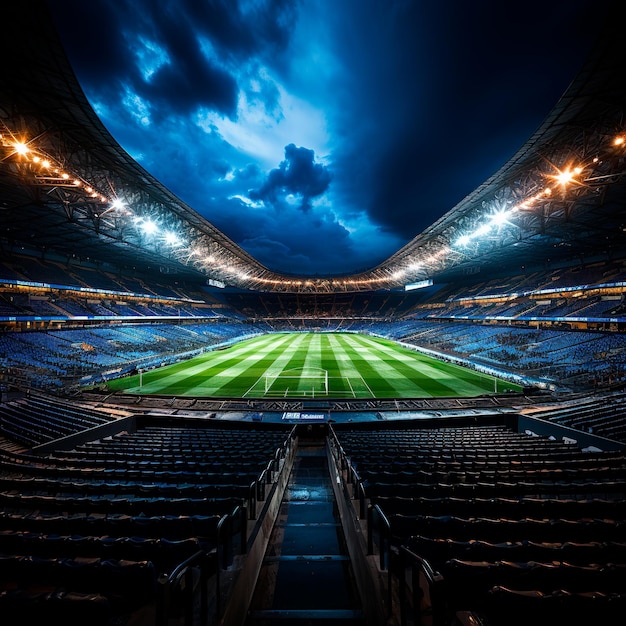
point(21, 148)
point(566, 176)
point(499, 218)
point(148, 227)
point(463, 241)
point(482, 230)
point(172, 239)
point(117, 204)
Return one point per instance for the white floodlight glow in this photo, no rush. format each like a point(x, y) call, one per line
point(482, 230)
point(172, 239)
point(499, 218)
point(463, 241)
point(117, 204)
point(147, 227)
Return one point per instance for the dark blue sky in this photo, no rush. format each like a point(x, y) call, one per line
point(323, 135)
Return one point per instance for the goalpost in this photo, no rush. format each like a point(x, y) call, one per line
point(296, 382)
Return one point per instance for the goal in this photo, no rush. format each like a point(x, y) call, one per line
point(299, 382)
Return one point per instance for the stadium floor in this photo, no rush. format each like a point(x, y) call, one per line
point(313, 365)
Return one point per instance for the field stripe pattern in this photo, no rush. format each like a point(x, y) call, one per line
point(355, 366)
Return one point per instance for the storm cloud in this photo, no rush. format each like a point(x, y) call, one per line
point(298, 177)
point(322, 136)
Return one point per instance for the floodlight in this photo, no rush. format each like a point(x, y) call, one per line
point(482, 230)
point(566, 176)
point(172, 239)
point(147, 227)
point(21, 148)
point(463, 240)
point(499, 218)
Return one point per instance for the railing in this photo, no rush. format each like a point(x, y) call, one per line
point(228, 529)
point(378, 524)
point(176, 591)
point(420, 590)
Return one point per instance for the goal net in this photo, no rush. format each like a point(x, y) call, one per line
point(299, 382)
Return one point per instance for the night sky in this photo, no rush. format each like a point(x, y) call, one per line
point(323, 135)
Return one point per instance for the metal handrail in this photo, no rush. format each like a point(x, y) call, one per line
point(384, 537)
point(183, 572)
point(419, 568)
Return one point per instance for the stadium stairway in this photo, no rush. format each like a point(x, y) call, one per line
point(306, 576)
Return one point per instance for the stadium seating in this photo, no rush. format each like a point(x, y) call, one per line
point(497, 514)
point(100, 528)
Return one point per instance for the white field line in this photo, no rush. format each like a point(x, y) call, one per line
point(351, 388)
point(368, 387)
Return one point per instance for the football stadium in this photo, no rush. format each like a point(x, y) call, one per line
point(188, 437)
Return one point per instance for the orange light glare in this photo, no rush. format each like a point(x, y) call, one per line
point(564, 177)
point(20, 148)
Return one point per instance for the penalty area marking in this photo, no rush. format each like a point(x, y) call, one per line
point(258, 380)
point(251, 392)
point(366, 385)
point(350, 385)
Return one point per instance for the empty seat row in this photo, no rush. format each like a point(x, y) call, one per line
point(508, 508)
point(499, 529)
point(171, 527)
point(128, 505)
point(163, 553)
point(127, 584)
point(439, 550)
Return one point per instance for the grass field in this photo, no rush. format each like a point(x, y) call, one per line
point(312, 365)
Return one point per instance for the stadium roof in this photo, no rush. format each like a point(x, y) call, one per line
point(68, 188)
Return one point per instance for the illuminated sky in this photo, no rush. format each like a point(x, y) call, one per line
point(323, 135)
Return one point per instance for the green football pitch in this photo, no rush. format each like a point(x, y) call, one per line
point(313, 365)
